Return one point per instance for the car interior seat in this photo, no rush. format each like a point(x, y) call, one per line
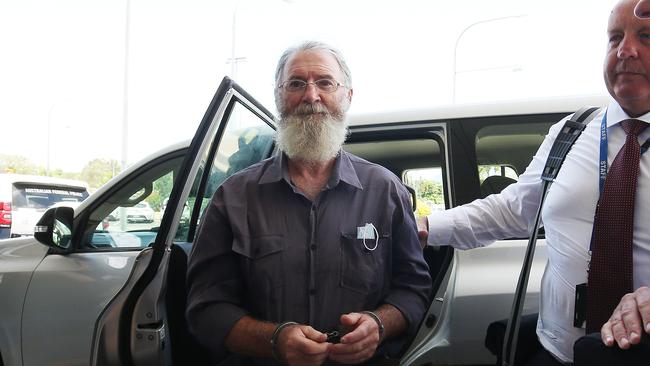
point(495, 184)
point(185, 349)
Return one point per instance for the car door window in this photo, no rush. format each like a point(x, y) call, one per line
point(246, 140)
point(429, 190)
point(129, 218)
point(417, 161)
point(504, 151)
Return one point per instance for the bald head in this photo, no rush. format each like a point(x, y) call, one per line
point(627, 62)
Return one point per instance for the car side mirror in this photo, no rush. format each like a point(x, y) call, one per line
point(54, 229)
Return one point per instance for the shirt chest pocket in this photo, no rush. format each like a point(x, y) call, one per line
point(364, 270)
point(262, 260)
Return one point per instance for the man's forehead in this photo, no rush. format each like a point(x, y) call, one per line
point(623, 14)
point(317, 62)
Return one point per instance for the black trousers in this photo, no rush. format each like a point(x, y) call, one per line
point(542, 357)
point(590, 351)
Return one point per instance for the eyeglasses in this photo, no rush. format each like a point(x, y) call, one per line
point(297, 85)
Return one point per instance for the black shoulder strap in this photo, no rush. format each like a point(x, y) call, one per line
point(570, 132)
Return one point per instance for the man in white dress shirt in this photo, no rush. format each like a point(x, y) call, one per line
point(569, 209)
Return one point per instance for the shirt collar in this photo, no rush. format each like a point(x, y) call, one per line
point(616, 114)
point(276, 171)
point(343, 171)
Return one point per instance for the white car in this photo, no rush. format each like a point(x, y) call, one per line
point(24, 198)
point(141, 212)
point(79, 294)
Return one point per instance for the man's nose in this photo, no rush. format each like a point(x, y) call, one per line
point(628, 48)
point(311, 93)
point(642, 9)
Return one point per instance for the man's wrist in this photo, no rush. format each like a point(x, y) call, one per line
point(380, 324)
point(275, 337)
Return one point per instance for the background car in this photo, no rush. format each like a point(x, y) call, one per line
point(118, 294)
point(141, 212)
point(24, 198)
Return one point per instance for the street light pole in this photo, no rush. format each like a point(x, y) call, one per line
point(233, 60)
point(453, 87)
point(125, 102)
point(233, 63)
point(49, 130)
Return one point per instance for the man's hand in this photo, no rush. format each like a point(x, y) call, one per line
point(302, 345)
point(630, 318)
point(423, 230)
point(358, 345)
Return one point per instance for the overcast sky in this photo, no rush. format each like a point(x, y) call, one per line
point(63, 62)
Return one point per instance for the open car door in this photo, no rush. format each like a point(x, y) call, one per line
point(144, 323)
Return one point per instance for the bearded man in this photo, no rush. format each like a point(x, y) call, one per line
point(311, 241)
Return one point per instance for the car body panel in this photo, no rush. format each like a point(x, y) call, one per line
point(75, 287)
point(53, 316)
point(479, 290)
point(482, 293)
point(18, 259)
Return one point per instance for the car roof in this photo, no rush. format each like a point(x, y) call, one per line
point(39, 179)
point(493, 109)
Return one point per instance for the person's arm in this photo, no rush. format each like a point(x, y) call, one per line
point(508, 214)
point(629, 321)
point(367, 333)
point(295, 343)
point(214, 279)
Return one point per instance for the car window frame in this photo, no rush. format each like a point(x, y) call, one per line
point(462, 146)
point(80, 222)
point(195, 211)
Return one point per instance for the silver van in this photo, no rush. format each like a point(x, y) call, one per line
point(83, 293)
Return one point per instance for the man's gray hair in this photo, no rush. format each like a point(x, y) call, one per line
point(310, 46)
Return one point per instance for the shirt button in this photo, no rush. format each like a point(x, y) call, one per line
point(312, 291)
point(312, 247)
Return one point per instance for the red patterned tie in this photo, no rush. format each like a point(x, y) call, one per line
point(610, 269)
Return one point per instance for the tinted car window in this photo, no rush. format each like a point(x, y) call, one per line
point(44, 196)
point(246, 140)
point(504, 151)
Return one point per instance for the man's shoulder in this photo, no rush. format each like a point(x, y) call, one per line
point(252, 173)
point(368, 170)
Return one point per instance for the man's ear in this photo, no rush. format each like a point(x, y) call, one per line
point(350, 92)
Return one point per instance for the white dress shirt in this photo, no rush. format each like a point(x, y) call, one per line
point(567, 217)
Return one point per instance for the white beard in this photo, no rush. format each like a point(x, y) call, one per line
point(311, 133)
